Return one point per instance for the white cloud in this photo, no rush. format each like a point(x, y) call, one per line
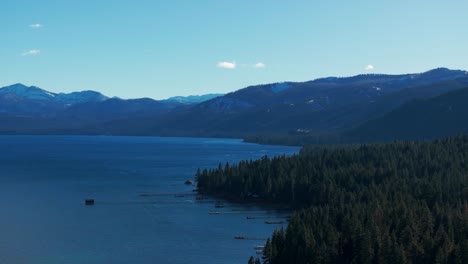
point(227, 65)
point(31, 52)
point(259, 65)
point(37, 25)
point(369, 67)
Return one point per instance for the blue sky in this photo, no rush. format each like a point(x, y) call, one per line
point(159, 49)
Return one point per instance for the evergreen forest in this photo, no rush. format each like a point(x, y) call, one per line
point(401, 202)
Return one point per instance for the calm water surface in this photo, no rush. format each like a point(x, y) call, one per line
point(45, 179)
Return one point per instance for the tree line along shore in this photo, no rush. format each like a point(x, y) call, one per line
point(400, 202)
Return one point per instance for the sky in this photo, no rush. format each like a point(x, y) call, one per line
point(159, 49)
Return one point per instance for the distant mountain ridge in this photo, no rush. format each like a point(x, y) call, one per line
point(321, 108)
point(19, 99)
point(36, 93)
point(86, 96)
point(193, 99)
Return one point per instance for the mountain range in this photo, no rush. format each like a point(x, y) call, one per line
point(345, 109)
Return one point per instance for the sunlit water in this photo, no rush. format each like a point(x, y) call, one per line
point(45, 179)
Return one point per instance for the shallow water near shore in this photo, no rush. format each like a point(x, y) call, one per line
point(144, 213)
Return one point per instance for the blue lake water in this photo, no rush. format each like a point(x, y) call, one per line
point(45, 179)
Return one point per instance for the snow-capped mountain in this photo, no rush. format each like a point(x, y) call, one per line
point(91, 106)
point(36, 93)
point(31, 92)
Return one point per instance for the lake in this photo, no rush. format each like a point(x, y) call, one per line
point(144, 213)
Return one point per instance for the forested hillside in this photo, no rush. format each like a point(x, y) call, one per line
point(404, 202)
point(438, 117)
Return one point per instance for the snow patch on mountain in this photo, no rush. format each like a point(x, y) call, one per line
point(193, 99)
point(36, 93)
point(50, 94)
point(27, 92)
